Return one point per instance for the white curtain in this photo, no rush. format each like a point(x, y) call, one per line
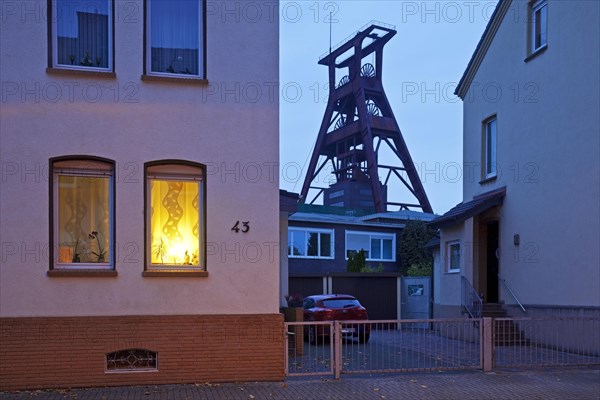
point(174, 36)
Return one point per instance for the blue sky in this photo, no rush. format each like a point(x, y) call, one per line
point(422, 65)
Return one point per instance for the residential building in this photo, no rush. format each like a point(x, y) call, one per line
point(527, 231)
point(139, 200)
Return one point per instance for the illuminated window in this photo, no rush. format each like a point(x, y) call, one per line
point(175, 216)
point(82, 216)
point(82, 34)
point(174, 38)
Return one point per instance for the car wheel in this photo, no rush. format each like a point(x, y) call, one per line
point(363, 337)
point(312, 335)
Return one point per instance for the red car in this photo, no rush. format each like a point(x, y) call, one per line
point(335, 307)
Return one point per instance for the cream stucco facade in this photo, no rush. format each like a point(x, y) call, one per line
point(228, 123)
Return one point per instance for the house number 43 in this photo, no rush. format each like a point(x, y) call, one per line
point(243, 226)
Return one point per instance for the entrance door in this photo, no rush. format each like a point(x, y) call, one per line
point(492, 262)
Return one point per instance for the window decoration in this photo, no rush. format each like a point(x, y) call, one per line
point(82, 34)
point(132, 359)
point(377, 246)
point(175, 207)
point(82, 213)
point(310, 243)
point(174, 38)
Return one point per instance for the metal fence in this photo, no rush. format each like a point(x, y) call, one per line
point(381, 346)
point(349, 347)
point(527, 342)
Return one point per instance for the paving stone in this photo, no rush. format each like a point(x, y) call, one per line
point(547, 384)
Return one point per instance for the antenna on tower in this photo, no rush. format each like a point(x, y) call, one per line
point(330, 32)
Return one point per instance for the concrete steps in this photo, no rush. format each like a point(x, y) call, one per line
point(506, 333)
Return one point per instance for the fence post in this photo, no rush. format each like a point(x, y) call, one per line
point(286, 346)
point(337, 353)
point(487, 343)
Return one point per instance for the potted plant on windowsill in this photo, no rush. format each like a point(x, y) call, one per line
point(100, 253)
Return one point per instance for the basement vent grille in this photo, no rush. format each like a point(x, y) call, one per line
point(132, 360)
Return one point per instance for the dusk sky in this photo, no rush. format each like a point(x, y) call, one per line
point(422, 66)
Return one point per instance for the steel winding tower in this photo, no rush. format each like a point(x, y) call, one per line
point(357, 120)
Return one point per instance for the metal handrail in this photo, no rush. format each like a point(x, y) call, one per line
point(514, 296)
point(472, 302)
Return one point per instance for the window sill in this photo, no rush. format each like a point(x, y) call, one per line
point(81, 72)
point(453, 272)
point(488, 179)
point(174, 273)
point(82, 273)
point(536, 53)
point(173, 79)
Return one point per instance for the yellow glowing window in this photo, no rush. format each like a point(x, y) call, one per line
point(175, 217)
point(82, 214)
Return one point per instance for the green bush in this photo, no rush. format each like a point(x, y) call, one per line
point(357, 262)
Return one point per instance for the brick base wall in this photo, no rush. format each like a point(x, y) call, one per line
point(71, 352)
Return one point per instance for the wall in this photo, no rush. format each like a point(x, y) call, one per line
point(547, 150)
point(71, 352)
point(301, 266)
point(229, 124)
point(133, 122)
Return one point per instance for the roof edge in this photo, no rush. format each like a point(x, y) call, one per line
point(482, 47)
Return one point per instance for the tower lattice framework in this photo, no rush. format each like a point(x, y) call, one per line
point(358, 120)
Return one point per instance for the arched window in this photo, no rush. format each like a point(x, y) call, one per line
point(82, 216)
point(175, 216)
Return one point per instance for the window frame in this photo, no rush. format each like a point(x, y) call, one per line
point(382, 235)
point(490, 171)
point(306, 231)
point(83, 269)
point(533, 7)
point(449, 245)
point(150, 75)
point(151, 270)
point(53, 42)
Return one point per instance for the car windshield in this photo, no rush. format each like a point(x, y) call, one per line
point(341, 303)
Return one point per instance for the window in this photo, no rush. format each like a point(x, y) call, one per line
point(175, 38)
point(377, 246)
point(175, 212)
point(82, 213)
point(453, 257)
point(310, 243)
point(538, 25)
point(82, 34)
point(490, 148)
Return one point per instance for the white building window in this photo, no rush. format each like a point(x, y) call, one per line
point(175, 38)
point(310, 243)
point(82, 34)
point(82, 217)
point(490, 141)
point(377, 246)
point(538, 25)
point(453, 256)
point(175, 216)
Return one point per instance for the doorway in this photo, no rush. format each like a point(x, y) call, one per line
point(492, 262)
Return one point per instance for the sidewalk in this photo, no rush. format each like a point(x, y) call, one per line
point(551, 383)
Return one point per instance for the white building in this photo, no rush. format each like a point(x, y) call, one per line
point(139, 199)
point(531, 191)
